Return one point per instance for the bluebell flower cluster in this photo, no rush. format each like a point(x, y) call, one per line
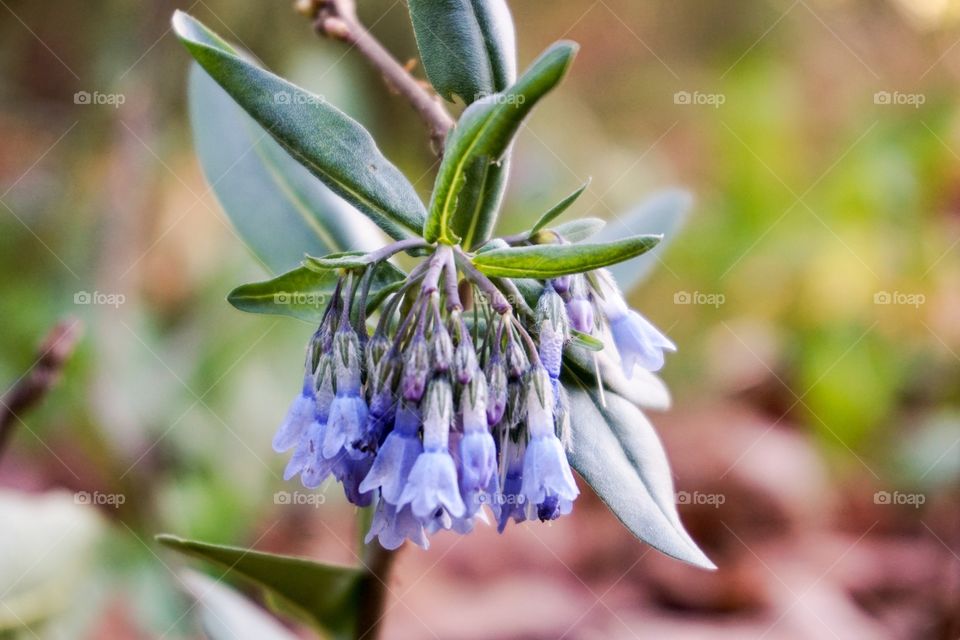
point(451, 410)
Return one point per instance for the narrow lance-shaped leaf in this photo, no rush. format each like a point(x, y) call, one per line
point(557, 210)
point(487, 128)
point(342, 260)
point(280, 210)
point(478, 203)
point(324, 596)
point(304, 292)
point(552, 260)
point(468, 47)
point(333, 146)
point(618, 453)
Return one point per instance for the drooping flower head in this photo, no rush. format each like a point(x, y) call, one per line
point(445, 413)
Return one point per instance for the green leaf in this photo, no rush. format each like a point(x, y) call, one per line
point(324, 596)
point(304, 292)
point(342, 260)
point(616, 450)
point(334, 147)
point(280, 210)
point(487, 128)
point(468, 47)
point(227, 615)
point(581, 229)
point(585, 341)
point(552, 260)
point(662, 213)
point(479, 201)
point(559, 208)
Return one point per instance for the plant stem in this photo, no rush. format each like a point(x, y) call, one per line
point(30, 389)
point(451, 285)
point(396, 247)
point(431, 281)
point(338, 19)
point(496, 299)
point(374, 591)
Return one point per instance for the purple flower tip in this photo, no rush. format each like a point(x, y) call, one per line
point(580, 312)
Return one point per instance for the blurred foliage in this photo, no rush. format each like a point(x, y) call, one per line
point(812, 199)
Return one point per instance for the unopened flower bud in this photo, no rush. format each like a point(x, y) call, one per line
point(553, 326)
point(550, 309)
point(346, 361)
point(375, 349)
point(580, 312)
point(473, 405)
point(465, 365)
point(496, 390)
point(441, 347)
point(561, 284)
point(517, 361)
point(416, 369)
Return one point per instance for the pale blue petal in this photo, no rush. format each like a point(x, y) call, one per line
point(348, 414)
point(391, 527)
point(546, 471)
point(298, 418)
point(392, 466)
point(433, 484)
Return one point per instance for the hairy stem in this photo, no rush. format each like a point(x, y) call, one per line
point(338, 19)
point(30, 389)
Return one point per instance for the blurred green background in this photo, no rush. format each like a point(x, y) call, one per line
point(814, 294)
